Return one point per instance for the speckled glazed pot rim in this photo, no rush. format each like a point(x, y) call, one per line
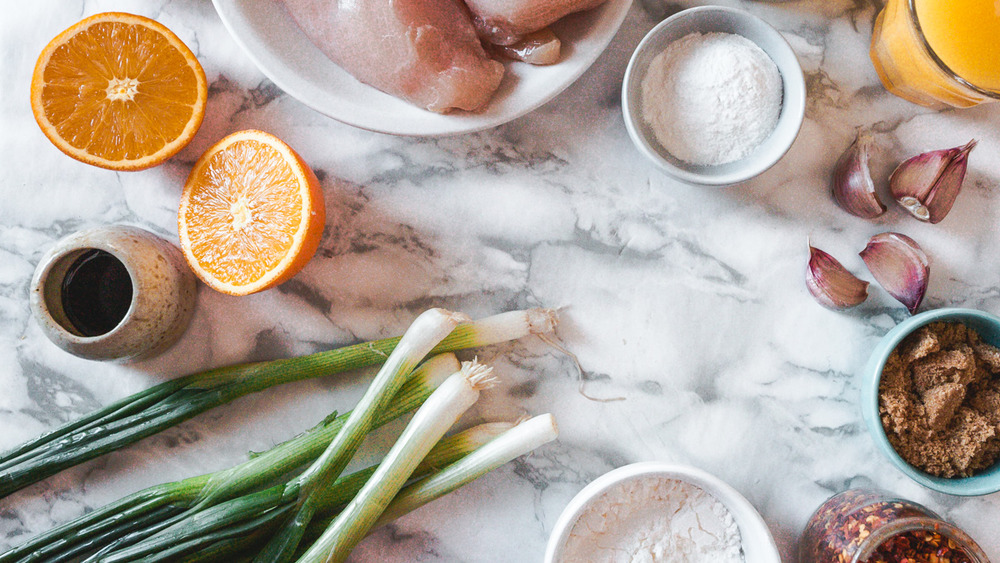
point(983, 483)
point(757, 541)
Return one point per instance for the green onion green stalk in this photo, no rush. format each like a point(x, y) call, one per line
point(167, 404)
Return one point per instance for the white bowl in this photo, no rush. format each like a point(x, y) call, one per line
point(273, 41)
point(707, 19)
point(758, 544)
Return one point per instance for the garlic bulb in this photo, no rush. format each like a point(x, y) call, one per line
point(853, 187)
point(927, 184)
point(833, 286)
point(900, 266)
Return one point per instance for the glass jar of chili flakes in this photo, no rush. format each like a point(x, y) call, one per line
point(865, 526)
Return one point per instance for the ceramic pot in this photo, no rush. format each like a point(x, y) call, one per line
point(162, 301)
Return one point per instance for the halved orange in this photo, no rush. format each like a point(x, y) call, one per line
point(118, 91)
point(251, 215)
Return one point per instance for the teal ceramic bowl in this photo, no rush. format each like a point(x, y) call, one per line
point(988, 327)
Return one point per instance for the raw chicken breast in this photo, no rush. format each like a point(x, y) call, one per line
point(504, 22)
point(424, 51)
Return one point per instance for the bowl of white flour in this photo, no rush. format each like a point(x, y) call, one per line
point(657, 512)
point(713, 96)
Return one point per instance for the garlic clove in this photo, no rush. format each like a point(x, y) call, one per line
point(899, 266)
point(945, 190)
point(852, 180)
point(541, 47)
point(833, 286)
point(927, 184)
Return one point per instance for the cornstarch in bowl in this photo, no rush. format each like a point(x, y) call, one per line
point(653, 518)
point(711, 98)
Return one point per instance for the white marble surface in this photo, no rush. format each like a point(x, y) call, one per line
point(687, 303)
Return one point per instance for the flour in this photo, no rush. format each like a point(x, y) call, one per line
point(711, 98)
point(654, 520)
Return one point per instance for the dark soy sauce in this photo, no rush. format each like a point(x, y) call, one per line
point(96, 293)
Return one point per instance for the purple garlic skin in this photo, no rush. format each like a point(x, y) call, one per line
point(853, 187)
point(831, 284)
point(900, 266)
point(927, 184)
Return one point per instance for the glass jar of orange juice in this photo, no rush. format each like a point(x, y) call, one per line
point(939, 52)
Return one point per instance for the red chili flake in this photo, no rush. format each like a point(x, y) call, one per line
point(837, 529)
point(919, 547)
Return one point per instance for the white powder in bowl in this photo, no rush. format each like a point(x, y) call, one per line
point(654, 520)
point(711, 98)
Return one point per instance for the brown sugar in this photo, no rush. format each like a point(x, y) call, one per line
point(939, 400)
point(989, 355)
point(986, 399)
point(919, 344)
point(957, 365)
point(941, 403)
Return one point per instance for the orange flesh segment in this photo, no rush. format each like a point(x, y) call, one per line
point(119, 93)
point(241, 212)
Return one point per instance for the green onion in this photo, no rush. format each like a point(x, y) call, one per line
point(420, 338)
point(246, 521)
point(167, 404)
point(460, 467)
point(441, 410)
point(279, 461)
point(446, 452)
point(465, 457)
point(101, 527)
point(512, 444)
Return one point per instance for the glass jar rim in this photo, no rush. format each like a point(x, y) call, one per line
point(915, 524)
point(940, 63)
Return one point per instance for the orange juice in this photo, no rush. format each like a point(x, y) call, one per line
point(939, 52)
point(965, 35)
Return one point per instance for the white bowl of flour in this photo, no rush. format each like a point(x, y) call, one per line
point(713, 96)
point(658, 512)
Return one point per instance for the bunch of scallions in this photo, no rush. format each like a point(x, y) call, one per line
point(319, 514)
point(167, 404)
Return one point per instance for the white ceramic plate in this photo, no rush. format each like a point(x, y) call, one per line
point(273, 41)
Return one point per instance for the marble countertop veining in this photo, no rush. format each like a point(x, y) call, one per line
point(687, 303)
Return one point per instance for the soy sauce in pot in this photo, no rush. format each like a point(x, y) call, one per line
point(96, 292)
